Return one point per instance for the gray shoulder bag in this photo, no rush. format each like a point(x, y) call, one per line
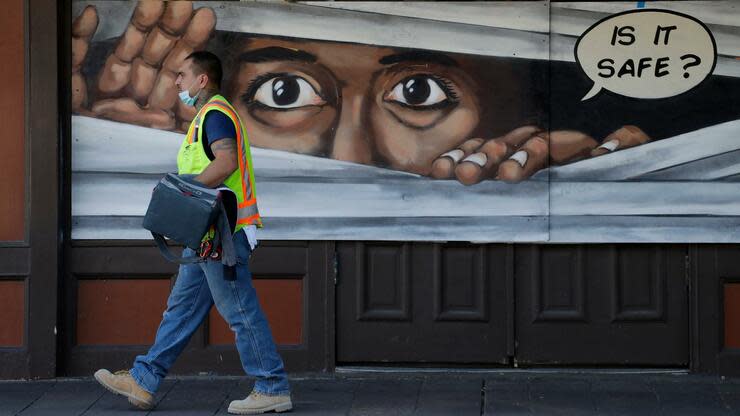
point(184, 210)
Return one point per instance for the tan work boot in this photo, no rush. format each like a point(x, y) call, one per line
point(122, 383)
point(257, 403)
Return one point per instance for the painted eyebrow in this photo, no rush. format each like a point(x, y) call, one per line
point(418, 56)
point(275, 53)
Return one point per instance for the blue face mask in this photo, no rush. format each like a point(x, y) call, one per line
point(186, 98)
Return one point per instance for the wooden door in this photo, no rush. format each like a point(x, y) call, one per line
point(602, 305)
point(422, 303)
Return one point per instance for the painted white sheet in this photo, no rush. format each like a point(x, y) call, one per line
point(709, 142)
point(306, 197)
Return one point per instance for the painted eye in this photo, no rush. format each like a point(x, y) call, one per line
point(287, 92)
point(421, 91)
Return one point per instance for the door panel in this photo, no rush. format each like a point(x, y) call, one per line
point(606, 305)
point(115, 292)
point(411, 302)
point(383, 283)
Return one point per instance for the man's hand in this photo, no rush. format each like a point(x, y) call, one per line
point(223, 165)
point(522, 152)
point(137, 82)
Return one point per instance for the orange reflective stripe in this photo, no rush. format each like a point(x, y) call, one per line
point(190, 135)
point(238, 127)
point(247, 208)
point(248, 220)
point(216, 103)
point(226, 107)
point(221, 104)
point(248, 202)
point(246, 180)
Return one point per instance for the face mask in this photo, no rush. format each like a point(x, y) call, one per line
point(186, 98)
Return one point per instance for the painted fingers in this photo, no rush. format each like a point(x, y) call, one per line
point(522, 152)
point(511, 158)
point(116, 73)
point(83, 29)
point(623, 138)
point(137, 82)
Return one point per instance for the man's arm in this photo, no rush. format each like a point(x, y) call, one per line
point(224, 163)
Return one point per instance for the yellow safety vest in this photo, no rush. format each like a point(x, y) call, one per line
point(192, 160)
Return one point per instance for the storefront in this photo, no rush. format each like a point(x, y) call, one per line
point(442, 184)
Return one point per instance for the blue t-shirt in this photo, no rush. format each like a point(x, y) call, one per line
point(216, 126)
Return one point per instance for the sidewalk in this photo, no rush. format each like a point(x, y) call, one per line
point(417, 393)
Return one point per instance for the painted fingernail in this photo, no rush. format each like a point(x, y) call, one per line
point(455, 155)
point(611, 145)
point(520, 157)
point(479, 159)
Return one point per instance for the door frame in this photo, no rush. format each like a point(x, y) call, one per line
point(35, 259)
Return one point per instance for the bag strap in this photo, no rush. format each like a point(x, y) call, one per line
point(228, 252)
point(165, 250)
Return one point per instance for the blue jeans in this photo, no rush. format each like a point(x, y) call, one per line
point(197, 287)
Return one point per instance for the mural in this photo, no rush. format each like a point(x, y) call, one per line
point(425, 121)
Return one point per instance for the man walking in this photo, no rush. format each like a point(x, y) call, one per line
point(215, 149)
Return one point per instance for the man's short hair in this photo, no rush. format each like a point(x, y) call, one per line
point(205, 62)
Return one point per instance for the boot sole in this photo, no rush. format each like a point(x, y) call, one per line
point(277, 408)
point(131, 398)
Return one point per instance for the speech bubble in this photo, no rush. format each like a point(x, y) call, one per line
point(646, 54)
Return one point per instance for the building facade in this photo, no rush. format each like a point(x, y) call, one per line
point(499, 184)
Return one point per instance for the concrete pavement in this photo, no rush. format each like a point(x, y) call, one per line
point(549, 392)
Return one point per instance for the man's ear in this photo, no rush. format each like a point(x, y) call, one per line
point(203, 82)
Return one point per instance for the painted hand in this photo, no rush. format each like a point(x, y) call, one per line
point(137, 82)
point(522, 152)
